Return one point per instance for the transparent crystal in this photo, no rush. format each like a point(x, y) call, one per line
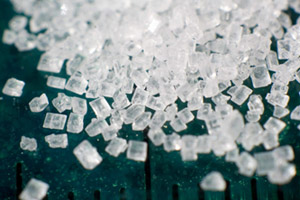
point(285, 153)
point(246, 164)
point(204, 111)
point(283, 174)
point(77, 83)
point(56, 82)
point(178, 125)
point(18, 23)
point(232, 156)
point(79, 105)
point(100, 107)
point(185, 115)
point(260, 77)
point(57, 140)
point(188, 148)
point(87, 155)
point(50, 63)
point(141, 122)
point(158, 120)
point(265, 162)
point(38, 104)
point(9, 37)
point(213, 181)
point(110, 133)
point(157, 136)
point(172, 142)
point(55, 121)
point(295, 114)
point(13, 87)
point(34, 189)
point(239, 94)
point(96, 127)
point(62, 102)
point(28, 144)
point(277, 99)
point(274, 125)
point(116, 146)
point(75, 123)
point(204, 144)
point(132, 113)
point(137, 150)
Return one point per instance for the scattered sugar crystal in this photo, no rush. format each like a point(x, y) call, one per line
point(96, 127)
point(141, 122)
point(260, 77)
point(274, 125)
point(120, 100)
point(73, 64)
point(280, 112)
point(155, 103)
point(172, 142)
point(55, 121)
point(9, 37)
point(171, 112)
point(87, 155)
point(295, 114)
point(278, 99)
point(224, 110)
point(233, 124)
point(13, 87)
point(139, 77)
point(220, 99)
point(252, 116)
point(255, 104)
point(79, 105)
point(251, 136)
point(75, 123)
point(213, 123)
point(188, 148)
point(110, 133)
point(18, 23)
point(100, 107)
point(279, 87)
point(265, 162)
point(62, 102)
point(157, 136)
point(178, 125)
point(204, 111)
point(158, 120)
point(57, 140)
point(50, 63)
point(77, 83)
point(25, 41)
point(116, 146)
point(116, 119)
point(137, 150)
point(232, 156)
point(272, 61)
point(239, 94)
point(56, 82)
point(284, 153)
point(204, 144)
point(246, 164)
point(38, 104)
point(28, 144)
point(213, 181)
point(270, 140)
point(132, 113)
point(185, 115)
point(195, 103)
point(285, 49)
point(282, 174)
point(34, 189)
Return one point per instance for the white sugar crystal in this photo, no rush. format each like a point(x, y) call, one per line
point(265, 162)
point(251, 136)
point(277, 99)
point(280, 112)
point(25, 41)
point(75, 123)
point(38, 104)
point(74, 64)
point(295, 114)
point(140, 96)
point(178, 125)
point(137, 150)
point(185, 115)
point(55, 121)
point(213, 181)
point(232, 156)
point(260, 77)
point(246, 164)
point(100, 107)
point(77, 83)
point(87, 155)
point(17, 23)
point(50, 63)
point(188, 148)
point(120, 100)
point(172, 142)
point(13, 87)
point(204, 144)
point(272, 61)
point(158, 119)
point(96, 127)
point(62, 102)
point(204, 111)
point(34, 190)
point(79, 105)
point(116, 146)
point(56, 82)
point(233, 124)
point(213, 123)
point(155, 103)
point(220, 99)
point(9, 37)
point(274, 125)
point(282, 174)
point(255, 104)
point(110, 133)
point(195, 103)
point(239, 94)
point(171, 112)
point(28, 144)
point(141, 122)
point(157, 136)
point(132, 113)
point(270, 140)
point(139, 77)
point(284, 153)
point(57, 140)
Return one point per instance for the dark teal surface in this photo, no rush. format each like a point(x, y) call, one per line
point(153, 180)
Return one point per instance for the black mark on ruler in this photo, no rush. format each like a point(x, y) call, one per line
point(175, 193)
point(280, 193)
point(200, 193)
point(122, 194)
point(97, 195)
point(253, 189)
point(227, 191)
point(18, 179)
point(71, 196)
point(147, 166)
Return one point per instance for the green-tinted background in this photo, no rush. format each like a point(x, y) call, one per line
point(163, 176)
